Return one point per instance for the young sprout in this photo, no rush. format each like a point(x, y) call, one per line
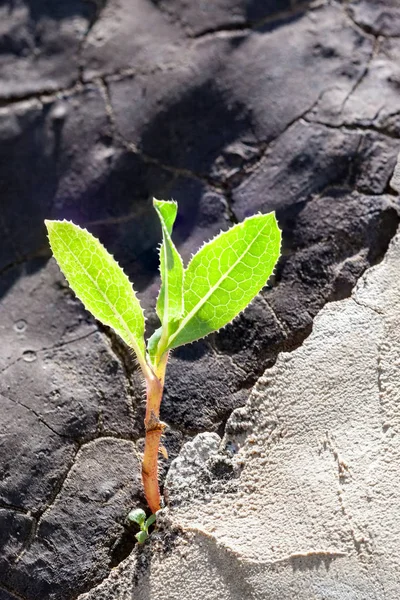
point(217, 284)
point(139, 516)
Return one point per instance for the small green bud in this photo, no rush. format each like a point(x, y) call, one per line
point(137, 516)
point(141, 537)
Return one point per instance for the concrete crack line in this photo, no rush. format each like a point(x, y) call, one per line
point(178, 171)
point(357, 128)
point(342, 473)
point(39, 515)
point(42, 252)
point(364, 29)
point(34, 412)
point(99, 6)
point(117, 220)
point(374, 309)
point(345, 8)
point(67, 342)
point(328, 553)
point(235, 365)
point(12, 592)
point(13, 508)
point(248, 26)
point(80, 83)
point(29, 540)
point(132, 147)
point(12, 363)
point(55, 346)
point(280, 324)
point(271, 143)
point(364, 73)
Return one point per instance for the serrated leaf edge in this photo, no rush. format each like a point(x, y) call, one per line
point(212, 290)
point(166, 318)
point(162, 249)
point(140, 356)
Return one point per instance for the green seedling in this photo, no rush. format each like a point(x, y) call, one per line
point(139, 516)
point(217, 284)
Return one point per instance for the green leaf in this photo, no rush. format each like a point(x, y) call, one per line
point(225, 275)
point(99, 282)
point(152, 345)
point(137, 516)
point(141, 536)
point(150, 521)
point(170, 300)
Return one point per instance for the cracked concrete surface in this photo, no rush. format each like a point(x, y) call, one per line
point(307, 504)
point(255, 105)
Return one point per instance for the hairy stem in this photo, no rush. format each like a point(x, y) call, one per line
point(154, 430)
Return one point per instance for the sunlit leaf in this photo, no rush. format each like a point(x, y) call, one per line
point(99, 282)
point(225, 275)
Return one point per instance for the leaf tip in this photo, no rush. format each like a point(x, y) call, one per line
point(49, 224)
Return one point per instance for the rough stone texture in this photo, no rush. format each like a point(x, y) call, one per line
point(69, 471)
point(310, 505)
point(199, 18)
point(395, 181)
point(39, 44)
point(252, 105)
point(374, 16)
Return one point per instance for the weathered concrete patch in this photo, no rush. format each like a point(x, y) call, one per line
point(376, 16)
point(40, 42)
point(69, 465)
point(314, 510)
point(374, 100)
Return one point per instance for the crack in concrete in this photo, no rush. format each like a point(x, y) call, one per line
point(364, 29)
point(42, 252)
point(280, 324)
point(39, 515)
point(364, 73)
point(235, 365)
point(55, 346)
point(357, 127)
point(358, 542)
point(34, 412)
point(100, 433)
point(245, 26)
point(267, 146)
point(363, 542)
point(131, 147)
point(14, 508)
point(11, 592)
point(368, 306)
point(99, 7)
point(82, 82)
point(117, 220)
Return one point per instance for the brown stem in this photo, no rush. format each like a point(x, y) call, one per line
point(154, 429)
